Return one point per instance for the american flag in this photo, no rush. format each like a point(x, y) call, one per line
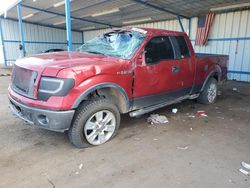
point(204, 25)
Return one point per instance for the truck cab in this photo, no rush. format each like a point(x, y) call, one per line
point(167, 66)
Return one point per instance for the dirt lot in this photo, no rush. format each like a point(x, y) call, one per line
point(186, 152)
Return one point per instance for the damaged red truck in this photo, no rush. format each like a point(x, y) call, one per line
point(129, 70)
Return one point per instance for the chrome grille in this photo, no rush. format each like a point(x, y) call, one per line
point(23, 81)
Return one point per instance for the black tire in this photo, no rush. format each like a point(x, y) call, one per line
point(204, 95)
point(84, 112)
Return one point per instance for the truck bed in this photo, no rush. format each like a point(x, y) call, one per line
point(220, 60)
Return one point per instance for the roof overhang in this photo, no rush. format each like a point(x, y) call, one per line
point(7, 5)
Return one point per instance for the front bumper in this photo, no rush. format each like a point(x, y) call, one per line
point(49, 119)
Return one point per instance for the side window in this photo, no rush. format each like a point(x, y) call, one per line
point(184, 51)
point(158, 48)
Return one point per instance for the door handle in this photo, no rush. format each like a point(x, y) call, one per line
point(175, 69)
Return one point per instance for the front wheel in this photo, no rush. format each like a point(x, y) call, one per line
point(209, 94)
point(95, 123)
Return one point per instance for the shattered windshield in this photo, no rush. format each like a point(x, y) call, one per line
point(121, 44)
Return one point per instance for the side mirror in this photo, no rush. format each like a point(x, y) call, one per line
point(141, 58)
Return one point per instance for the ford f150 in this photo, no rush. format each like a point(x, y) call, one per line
point(128, 70)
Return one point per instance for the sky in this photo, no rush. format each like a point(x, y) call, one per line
point(6, 5)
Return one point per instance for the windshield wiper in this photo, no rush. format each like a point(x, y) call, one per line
point(94, 52)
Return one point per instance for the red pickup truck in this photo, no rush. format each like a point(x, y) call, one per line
point(128, 70)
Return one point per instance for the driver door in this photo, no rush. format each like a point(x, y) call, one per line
point(157, 78)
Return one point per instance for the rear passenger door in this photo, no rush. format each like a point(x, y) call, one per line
point(158, 78)
point(187, 67)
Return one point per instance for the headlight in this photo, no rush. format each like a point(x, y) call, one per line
point(54, 87)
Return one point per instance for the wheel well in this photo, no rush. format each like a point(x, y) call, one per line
point(212, 75)
point(216, 76)
point(110, 93)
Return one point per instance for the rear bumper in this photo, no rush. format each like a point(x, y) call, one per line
point(48, 119)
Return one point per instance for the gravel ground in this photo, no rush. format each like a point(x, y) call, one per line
point(186, 152)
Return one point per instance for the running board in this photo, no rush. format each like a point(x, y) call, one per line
point(194, 96)
point(161, 105)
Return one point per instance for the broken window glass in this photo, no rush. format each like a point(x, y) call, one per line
point(121, 44)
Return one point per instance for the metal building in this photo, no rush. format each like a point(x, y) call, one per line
point(45, 25)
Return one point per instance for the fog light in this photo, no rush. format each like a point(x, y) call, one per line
point(43, 120)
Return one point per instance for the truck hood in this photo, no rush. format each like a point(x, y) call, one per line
point(50, 64)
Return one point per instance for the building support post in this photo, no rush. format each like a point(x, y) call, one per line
point(68, 25)
point(189, 26)
point(19, 12)
point(180, 23)
point(2, 44)
point(82, 38)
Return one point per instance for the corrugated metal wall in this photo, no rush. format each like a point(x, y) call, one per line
point(2, 55)
point(230, 35)
point(37, 39)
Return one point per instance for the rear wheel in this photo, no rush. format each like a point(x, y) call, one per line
point(95, 123)
point(209, 94)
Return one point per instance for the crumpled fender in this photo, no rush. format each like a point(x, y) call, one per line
point(100, 86)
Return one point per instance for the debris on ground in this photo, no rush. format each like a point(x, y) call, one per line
point(5, 74)
point(201, 113)
point(244, 171)
point(174, 110)
point(235, 89)
point(80, 166)
point(190, 115)
point(245, 165)
point(136, 138)
point(232, 181)
point(219, 117)
point(182, 148)
point(157, 119)
point(76, 172)
point(219, 93)
point(155, 139)
point(191, 128)
point(52, 184)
